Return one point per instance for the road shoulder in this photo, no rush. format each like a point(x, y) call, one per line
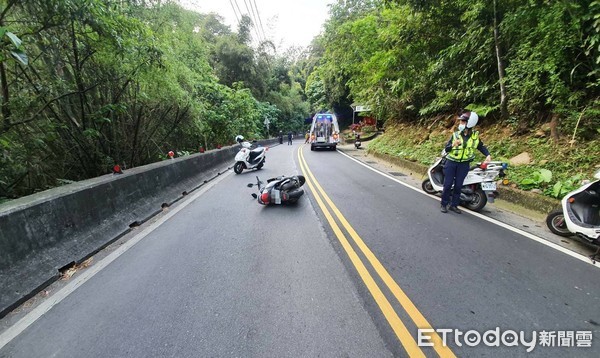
point(504, 211)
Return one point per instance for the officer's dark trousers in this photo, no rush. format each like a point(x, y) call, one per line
point(454, 173)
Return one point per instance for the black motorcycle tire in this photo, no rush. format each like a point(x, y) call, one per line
point(238, 167)
point(427, 187)
point(478, 202)
point(556, 223)
point(260, 165)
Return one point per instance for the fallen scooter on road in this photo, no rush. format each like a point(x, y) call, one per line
point(279, 190)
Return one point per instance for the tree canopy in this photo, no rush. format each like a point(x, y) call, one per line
point(522, 62)
point(87, 84)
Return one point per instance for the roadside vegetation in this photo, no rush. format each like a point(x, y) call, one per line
point(86, 84)
point(530, 69)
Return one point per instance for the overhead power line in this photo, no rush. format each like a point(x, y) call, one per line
point(255, 20)
point(235, 13)
point(239, 11)
point(251, 16)
point(260, 21)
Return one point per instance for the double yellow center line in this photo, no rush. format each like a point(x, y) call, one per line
point(406, 339)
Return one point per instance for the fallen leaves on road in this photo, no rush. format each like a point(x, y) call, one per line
point(68, 273)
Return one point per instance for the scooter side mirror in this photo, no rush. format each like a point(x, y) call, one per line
point(250, 185)
point(254, 196)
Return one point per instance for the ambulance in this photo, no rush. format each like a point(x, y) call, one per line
point(324, 131)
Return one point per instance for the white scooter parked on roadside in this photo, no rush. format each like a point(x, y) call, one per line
point(248, 158)
point(582, 208)
point(479, 186)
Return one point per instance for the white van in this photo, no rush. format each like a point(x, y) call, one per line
point(324, 131)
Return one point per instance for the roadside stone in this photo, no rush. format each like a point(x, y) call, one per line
point(521, 159)
point(545, 128)
point(536, 191)
point(543, 162)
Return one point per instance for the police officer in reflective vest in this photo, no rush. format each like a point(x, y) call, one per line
point(461, 151)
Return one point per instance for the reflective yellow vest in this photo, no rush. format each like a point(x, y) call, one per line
point(465, 152)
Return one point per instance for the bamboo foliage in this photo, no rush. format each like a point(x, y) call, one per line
point(521, 62)
point(86, 84)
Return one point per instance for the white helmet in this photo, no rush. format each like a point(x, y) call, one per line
point(239, 139)
point(471, 117)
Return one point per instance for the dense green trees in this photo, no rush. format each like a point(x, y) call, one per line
point(521, 62)
point(86, 84)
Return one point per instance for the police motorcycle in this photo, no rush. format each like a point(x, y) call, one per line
point(579, 214)
point(479, 186)
point(279, 190)
point(248, 158)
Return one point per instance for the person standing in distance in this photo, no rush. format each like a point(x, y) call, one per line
point(461, 152)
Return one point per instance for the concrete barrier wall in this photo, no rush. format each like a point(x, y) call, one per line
point(41, 233)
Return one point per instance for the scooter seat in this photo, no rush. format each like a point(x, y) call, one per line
point(255, 153)
point(585, 208)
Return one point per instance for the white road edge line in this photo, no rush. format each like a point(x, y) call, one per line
point(486, 218)
point(12, 332)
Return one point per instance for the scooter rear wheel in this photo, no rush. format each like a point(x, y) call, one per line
point(478, 201)
point(427, 187)
point(556, 223)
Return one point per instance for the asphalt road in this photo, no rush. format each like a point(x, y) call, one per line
point(460, 271)
point(352, 270)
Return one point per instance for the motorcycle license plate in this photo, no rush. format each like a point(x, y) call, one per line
point(488, 186)
point(276, 195)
